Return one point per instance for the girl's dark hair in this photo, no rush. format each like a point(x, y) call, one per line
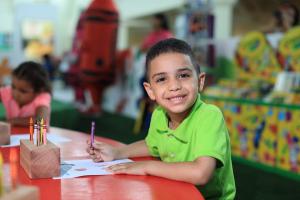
point(35, 74)
point(163, 21)
point(171, 45)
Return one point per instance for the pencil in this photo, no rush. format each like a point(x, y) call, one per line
point(92, 133)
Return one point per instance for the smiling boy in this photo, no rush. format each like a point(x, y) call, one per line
point(189, 136)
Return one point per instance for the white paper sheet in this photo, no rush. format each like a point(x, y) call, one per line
point(15, 139)
point(77, 168)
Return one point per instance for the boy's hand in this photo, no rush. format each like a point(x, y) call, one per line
point(100, 151)
point(134, 168)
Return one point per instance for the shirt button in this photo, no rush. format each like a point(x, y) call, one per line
point(172, 155)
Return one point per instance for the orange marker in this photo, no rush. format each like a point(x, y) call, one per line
point(31, 129)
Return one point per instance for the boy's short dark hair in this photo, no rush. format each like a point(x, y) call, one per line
point(171, 45)
point(35, 74)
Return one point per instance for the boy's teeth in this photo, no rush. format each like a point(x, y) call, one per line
point(176, 98)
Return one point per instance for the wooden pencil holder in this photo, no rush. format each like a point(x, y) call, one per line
point(4, 133)
point(40, 161)
point(22, 192)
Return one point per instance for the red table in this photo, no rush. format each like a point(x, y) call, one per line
point(101, 187)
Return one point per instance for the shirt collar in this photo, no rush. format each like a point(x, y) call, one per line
point(178, 133)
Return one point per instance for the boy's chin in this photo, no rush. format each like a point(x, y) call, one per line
point(178, 110)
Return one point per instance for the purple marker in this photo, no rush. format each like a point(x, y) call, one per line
point(92, 133)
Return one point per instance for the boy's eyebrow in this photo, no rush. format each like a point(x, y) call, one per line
point(179, 70)
point(184, 69)
point(158, 74)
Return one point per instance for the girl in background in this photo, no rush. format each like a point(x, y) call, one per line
point(160, 32)
point(28, 96)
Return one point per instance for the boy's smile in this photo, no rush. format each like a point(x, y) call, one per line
point(173, 83)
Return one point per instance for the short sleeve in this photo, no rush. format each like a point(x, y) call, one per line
point(212, 136)
point(43, 99)
point(147, 42)
point(152, 138)
point(1, 91)
point(5, 94)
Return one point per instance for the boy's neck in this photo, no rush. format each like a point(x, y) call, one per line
point(176, 119)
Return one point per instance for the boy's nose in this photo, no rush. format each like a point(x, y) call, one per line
point(174, 85)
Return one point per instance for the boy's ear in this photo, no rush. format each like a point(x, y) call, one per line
point(149, 90)
point(201, 81)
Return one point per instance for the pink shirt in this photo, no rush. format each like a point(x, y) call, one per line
point(155, 37)
point(13, 110)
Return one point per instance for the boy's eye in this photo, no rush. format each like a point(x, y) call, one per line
point(161, 79)
point(184, 75)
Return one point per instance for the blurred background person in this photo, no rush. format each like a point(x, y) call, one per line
point(160, 31)
point(285, 17)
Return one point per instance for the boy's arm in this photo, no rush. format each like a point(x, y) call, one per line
point(105, 152)
point(136, 149)
point(197, 172)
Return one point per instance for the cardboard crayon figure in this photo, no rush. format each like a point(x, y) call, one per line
point(98, 49)
point(4, 133)
point(288, 50)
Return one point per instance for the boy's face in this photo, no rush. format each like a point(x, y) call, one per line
point(22, 91)
point(173, 82)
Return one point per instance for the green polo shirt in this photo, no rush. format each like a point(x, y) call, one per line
point(202, 133)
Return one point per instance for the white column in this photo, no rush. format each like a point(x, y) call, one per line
point(223, 12)
point(122, 40)
point(6, 16)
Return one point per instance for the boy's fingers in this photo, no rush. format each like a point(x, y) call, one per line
point(119, 168)
point(98, 144)
point(97, 158)
point(90, 149)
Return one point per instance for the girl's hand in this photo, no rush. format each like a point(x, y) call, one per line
point(134, 168)
point(100, 151)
